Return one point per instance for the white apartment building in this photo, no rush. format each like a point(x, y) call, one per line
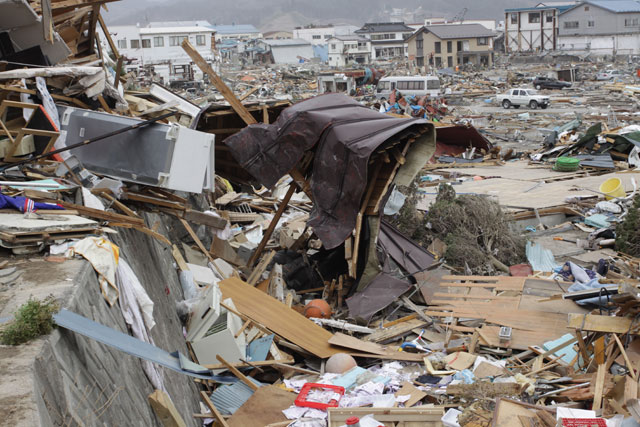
point(161, 47)
point(321, 35)
point(345, 50)
point(388, 39)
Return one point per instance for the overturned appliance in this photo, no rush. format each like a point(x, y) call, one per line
point(162, 155)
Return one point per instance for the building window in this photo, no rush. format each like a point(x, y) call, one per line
point(591, 24)
point(631, 22)
point(316, 37)
point(534, 17)
point(158, 41)
point(438, 62)
point(419, 44)
point(122, 44)
point(449, 47)
point(200, 40)
point(135, 44)
point(333, 46)
point(327, 36)
point(146, 43)
point(483, 41)
point(387, 36)
point(176, 40)
point(549, 17)
point(459, 45)
point(586, 8)
point(438, 48)
point(514, 18)
point(571, 24)
point(449, 61)
point(420, 61)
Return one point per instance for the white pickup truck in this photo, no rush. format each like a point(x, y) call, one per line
point(518, 97)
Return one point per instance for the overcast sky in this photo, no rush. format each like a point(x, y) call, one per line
point(288, 13)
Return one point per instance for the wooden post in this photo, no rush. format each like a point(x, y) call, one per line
point(165, 409)
point(213, 409)
point(272, 225)
point(219, 83)
point(105, 30)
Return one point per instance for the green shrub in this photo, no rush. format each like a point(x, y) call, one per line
point(628, 231)
point(33, 319)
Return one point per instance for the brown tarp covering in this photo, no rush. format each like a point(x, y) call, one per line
point(412, 257)
point(380, 293)
point(343, 134)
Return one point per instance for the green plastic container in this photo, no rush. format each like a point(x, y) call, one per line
point(566, 164)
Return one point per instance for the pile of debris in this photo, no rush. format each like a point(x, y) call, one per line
point(320, 284)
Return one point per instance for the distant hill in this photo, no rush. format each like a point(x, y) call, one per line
point(286, 14)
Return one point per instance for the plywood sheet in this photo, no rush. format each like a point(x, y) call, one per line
point(264, 407)
point(529, 195)
point(518, 170)
point(342, 340)
point(274, 315)
point(520, 339)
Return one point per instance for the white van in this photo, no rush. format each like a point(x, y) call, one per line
point(417, 86)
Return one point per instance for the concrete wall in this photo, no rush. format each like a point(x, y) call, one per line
point(78, 380)
point(619, 44)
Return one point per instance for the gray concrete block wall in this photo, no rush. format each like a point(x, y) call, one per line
point(79, 381)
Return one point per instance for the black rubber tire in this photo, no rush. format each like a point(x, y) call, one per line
point(506, 104)
point(545, 106)
point(533, 105)
point(516, 106)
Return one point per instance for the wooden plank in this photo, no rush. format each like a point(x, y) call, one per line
point(97, 213)
point(219, 84)
point(213, 409)
point(279, 362)
point(599, 387)
point(196, 239)
point(165, 409)
point(253, 386)
point(112, 45)
point(395, 330)
point(260, 268)
point(204, 219)
point(47, 20)
point(411, 390)
point(598, 323)
point(272, 225)
point(342, 340)
point(630, 366)
point(428, 417)
point(153, 200)
point(274, 315)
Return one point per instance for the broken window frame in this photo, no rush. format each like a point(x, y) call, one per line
point(534, 17)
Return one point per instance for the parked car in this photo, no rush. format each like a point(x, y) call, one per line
point(549, 83)
point(609, 74)
point(519, 97)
